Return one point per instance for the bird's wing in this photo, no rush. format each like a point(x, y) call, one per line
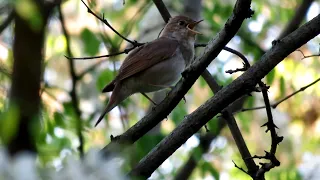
point(146, 56)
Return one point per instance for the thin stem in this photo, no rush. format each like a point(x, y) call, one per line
point(274, 105)
point(134, 43)
point(126, 51)
point(73, 92)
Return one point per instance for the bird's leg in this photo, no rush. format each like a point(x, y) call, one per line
point(144, 94)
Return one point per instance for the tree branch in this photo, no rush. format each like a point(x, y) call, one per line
point(134, 43)
point(274, 105)
point(73, 92)
point(298, 17)
point(189, 76)
point(163, 10)
point(239, 87)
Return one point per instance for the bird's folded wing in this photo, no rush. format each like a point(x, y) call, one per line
point(147, 56)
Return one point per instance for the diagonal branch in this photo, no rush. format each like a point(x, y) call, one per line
point(239, 87)
point(73, 92)
point(126, 51)
point(274, 105)
point(134, 43)
point(298, 17)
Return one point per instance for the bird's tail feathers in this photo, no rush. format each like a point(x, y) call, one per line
point(117, 96)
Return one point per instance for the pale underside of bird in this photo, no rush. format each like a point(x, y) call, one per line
point(155, 65)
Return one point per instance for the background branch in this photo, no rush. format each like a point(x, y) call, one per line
point(298, 17)
point(73, 92)
point(274, 105)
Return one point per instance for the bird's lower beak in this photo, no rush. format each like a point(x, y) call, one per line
point(192, 25)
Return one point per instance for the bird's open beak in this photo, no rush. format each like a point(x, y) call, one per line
point(192, 25)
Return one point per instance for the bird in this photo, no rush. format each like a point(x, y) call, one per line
point(156, 65)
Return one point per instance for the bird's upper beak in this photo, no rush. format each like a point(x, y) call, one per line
point(190, 27)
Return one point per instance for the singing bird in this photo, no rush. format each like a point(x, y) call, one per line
point(155, 65)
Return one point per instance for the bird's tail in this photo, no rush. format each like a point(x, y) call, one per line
point(117, 96)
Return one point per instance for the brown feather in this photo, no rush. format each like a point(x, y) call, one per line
point(109, 87)
point(149, 55)
point(144, 57)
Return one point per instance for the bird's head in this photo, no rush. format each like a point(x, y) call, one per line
point(180, 27)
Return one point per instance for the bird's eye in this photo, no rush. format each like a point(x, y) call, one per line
point(182, 23)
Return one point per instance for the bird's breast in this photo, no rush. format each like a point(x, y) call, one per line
point(187, 51)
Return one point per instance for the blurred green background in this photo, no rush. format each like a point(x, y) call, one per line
point(298, 118)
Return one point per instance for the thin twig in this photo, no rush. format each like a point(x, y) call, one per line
point(126, 51)
point(274, 105)
point(163, 10)
point(309, 56)
point(142, 10)
point(73, 92)
point(275, 139)
point(134, 43)
point(246, 63)
point(240, 168)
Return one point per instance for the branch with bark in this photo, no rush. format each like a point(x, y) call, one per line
point(239, 87)
point(181, 88)
point(26, 77)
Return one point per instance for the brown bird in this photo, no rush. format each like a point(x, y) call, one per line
point(155, 65)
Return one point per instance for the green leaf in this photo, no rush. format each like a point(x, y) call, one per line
point(213, 125)
point(270, 76)
point(282, 87)
point(90, 41)
point(179, 112)
point(209, 167)
point(197, 153)
point(245, 120)
point(104, 78)
point(59, 120)
point(9, 124)
point(203, 83)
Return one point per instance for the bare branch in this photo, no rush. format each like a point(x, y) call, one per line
point(274, 105)
point(298, 17)
point(309, 56)
point(126, 51)
point(134, 43)
point(73, 92)
point(163, 10)
point(246, 63)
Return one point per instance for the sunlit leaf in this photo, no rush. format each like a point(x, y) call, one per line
point(209, 167)
point(104, 78)
point(271, 76)
point(179, 112)
point(90, 42)
point(282, 87)
point(9, 124)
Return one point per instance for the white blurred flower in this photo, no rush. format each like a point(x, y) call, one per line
point(93, 167)
point(310, 166)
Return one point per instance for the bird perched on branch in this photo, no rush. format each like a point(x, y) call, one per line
point(155, 65)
